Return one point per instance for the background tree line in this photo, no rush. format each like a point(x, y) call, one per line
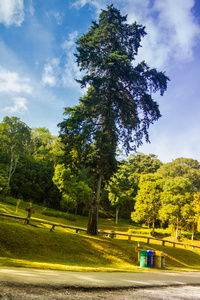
point(27, 160)
point(35, 166)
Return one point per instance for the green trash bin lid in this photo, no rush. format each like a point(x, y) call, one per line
point(143, 253)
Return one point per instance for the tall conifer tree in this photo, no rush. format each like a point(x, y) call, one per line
point(118, 106)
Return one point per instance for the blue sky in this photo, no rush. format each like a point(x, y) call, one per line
point(38, 68)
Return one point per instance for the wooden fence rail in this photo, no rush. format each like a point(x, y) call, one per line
point(44, 222)
point(148, 238)
point(111, 234)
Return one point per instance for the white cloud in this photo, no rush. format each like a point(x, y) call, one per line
point(175, 19)
point(30, 8)
point(55, 75)
point(51, 73)
point(71, 70)
point(69, 44)
point(11, 12)
point(56, 16)
point(97, 4)
point(10, 82)
point(172, 31)
point(20, 106)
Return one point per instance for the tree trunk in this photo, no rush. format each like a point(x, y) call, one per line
point(117, 214)
point(177, 228)
point(148, 222)
point(192, 237)
point(13, 164)
point(93, 215)
point(161, 224)
point(76, 209)
point(153, 227)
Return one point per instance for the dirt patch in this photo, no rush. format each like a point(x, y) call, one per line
point(164, 293)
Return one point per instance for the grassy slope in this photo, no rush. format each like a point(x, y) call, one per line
point(35, 246)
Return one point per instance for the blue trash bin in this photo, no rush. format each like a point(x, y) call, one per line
point(149, 259)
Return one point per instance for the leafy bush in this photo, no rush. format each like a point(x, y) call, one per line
point(58, 214)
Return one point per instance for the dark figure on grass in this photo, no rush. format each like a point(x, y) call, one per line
point(30, 211)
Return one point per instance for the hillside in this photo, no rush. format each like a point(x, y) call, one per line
point(35, 246)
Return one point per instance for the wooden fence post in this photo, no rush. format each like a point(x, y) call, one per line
point(52, 228)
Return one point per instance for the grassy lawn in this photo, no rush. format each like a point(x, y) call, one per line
point(35, 246)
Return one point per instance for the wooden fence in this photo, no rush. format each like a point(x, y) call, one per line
point(148, 238)
point(43, 222)
point(111, 234)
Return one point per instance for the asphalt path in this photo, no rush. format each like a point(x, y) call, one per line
point(95, 280)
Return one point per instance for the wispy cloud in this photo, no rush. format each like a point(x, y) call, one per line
point(69, 43)
point(56, 16)
point(71, 70)
point(172, 31)
point(51, 73)
point(11, 12)
point(172, 35)
point(19, 106)
point(10, 82)
point(55, 75)
point(97, 4)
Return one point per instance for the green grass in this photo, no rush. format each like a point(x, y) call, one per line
point(58, 214)
point(35, 246)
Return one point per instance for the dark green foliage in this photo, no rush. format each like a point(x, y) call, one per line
point(4, 186)
point(33, 181)
point(27, 162)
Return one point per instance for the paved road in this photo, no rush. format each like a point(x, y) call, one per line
point(92, 280)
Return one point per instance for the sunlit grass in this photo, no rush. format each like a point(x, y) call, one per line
point(36, 247)
point(27, 245)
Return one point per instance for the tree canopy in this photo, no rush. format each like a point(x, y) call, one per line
point(15, 138)
point(148, 199)
point(176, 200)
point(122, 188)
